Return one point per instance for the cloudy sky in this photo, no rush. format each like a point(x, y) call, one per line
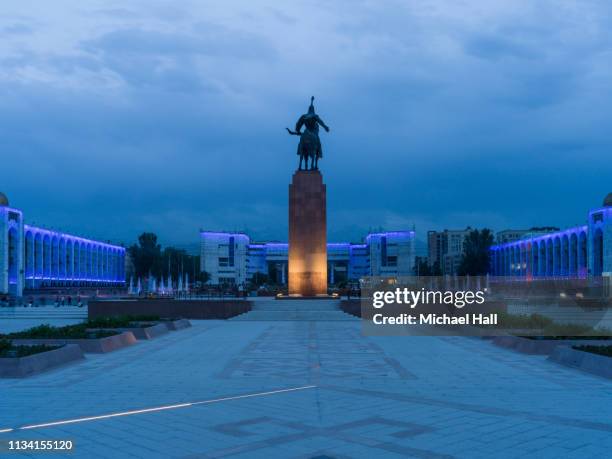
point(120, 117)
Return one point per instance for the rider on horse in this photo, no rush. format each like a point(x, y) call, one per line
point(310, 144)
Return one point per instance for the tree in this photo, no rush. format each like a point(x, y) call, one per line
point(272, 274)
point(259, 279)
point(149, 258)
point(177, 262)
point(423, 268)
point(146, 255)
point(475, 260)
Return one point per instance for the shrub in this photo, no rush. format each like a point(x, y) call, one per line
point(46, 331)
point(533, 321)
point(5, 345)
point(600, 350)
point(8, 350)
point(569, 330)
point(24, 351)
point(119, 321)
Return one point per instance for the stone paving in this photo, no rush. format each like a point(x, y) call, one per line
point(388, 397)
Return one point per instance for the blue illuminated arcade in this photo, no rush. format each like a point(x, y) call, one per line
point(574, 253)
point(33, 257)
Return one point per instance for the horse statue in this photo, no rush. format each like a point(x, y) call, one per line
point(310, 144)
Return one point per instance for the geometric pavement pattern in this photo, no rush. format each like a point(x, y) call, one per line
point(395, 397)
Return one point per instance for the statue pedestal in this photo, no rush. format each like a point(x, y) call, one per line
point(307, 235)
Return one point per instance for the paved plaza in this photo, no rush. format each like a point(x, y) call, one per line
point(352, 396)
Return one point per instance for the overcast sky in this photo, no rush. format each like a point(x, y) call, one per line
point(121, 117)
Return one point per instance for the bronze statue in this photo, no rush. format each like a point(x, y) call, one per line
point(310, 144)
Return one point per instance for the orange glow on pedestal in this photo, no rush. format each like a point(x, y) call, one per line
point(307, 234)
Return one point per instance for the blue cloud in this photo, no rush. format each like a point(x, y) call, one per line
point(495, 47)
point(171, 118)
point(18, 28)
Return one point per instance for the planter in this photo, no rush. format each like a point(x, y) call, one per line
point(527, 346)
point(141, 333)
point(178, 324)
point(22, 367)
point(599, 365)
point(154, 331)
point(539, 346)
point(93, 345)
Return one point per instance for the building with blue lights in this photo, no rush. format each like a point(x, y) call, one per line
point(578, 252)
point(230, 258)
point(33, 257)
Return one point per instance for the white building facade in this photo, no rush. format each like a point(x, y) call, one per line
point(224, 256)
point(382, 254)
point(391, 253)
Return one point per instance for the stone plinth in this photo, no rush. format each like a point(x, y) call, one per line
point(168, 308)
point(307, 234)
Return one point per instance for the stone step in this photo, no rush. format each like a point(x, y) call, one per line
point(295, 310)
point(296, 305)
point(295, 316)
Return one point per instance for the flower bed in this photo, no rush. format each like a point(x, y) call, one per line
point(125, 321)
point(19, 361)
point(606, 351)
point(78, 331)
point(146, 330)
point(90, 340)
point(541, 345)
point(9, 350)
point(588, 361)
point(143, 327)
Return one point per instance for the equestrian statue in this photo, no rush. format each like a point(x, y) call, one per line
point(309, 147)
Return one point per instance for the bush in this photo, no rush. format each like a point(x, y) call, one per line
point(46, 331)
point(547, 328)
point(570, 330)
point(24, 351)
point(8, 350)
point(5, 345)
point(120, 321)
point(533, 321)
point(600, 350)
